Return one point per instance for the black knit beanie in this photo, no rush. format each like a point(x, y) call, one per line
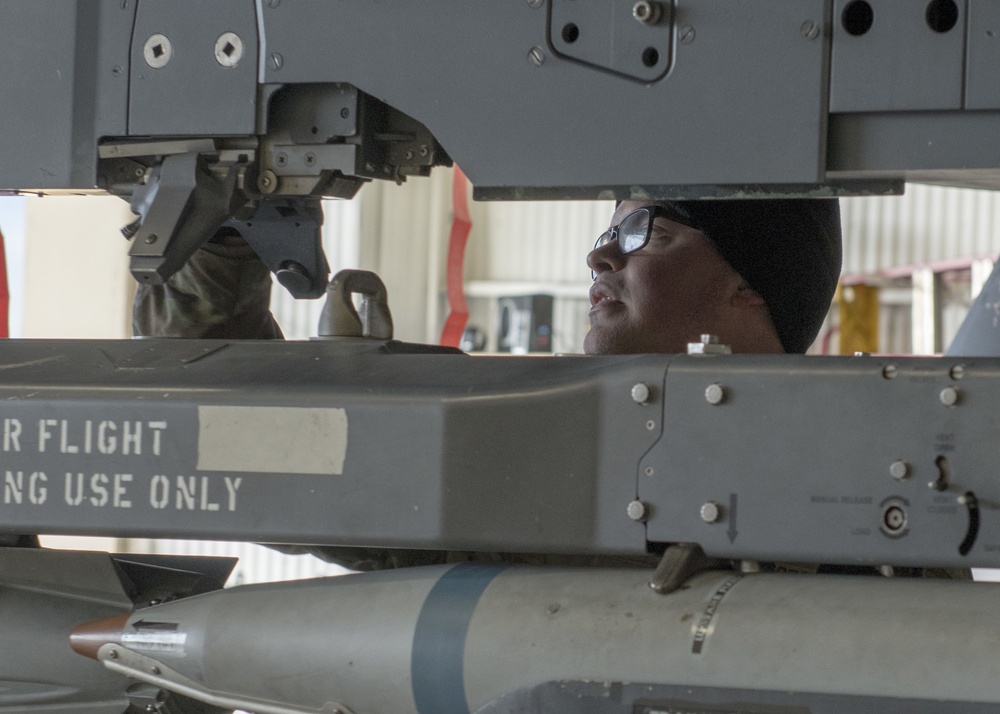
point(788, 250)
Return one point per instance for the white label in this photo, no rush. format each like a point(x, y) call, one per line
point(155, 641)
point(272, 440)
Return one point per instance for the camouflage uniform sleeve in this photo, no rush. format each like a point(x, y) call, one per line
point(222, 292)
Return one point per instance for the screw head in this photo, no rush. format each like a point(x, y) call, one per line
point(899, 470)
point(638, 510)
point(228, 49)
point(344, 113)
point(151, 238)
point(715, 394)
point(117, 70)
point(957, 372)
point(890, 371)
point(810, 30)
point(157, 51)
point(275, 61)
point(154, 669)
point(310, 159)
point(687, 34)
point(112, 654)
point(281, 159)
point(650, 425)
point(273, 3)
point(536, 3)
point(649, 471)
point(267, 182)
point(711, 512)
point(640, 393)
point(949, 396)
point(536, 56)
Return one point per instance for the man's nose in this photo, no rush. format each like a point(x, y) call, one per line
point(606, 257)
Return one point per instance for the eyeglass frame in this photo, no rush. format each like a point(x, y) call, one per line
point(655, 211)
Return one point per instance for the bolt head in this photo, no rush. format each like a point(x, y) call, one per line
point(638, 510)
point(640, 393)
point(899, 470)
point(711, 512)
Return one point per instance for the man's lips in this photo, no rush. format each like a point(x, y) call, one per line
point(601, 296)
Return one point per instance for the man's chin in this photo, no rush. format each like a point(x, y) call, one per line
point(600, 341)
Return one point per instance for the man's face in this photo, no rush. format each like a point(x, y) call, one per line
point(659, 298)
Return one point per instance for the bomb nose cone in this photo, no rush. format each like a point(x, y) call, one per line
point(87, 638)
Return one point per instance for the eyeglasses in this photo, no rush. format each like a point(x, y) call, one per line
point(633, 232)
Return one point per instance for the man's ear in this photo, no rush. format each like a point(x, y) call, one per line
point(745, 296)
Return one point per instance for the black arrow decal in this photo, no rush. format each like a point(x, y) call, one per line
point(144, 625)
point(732, 532)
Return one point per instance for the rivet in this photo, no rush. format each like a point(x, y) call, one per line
point(112, 654)
point(949, 396)
point(151, 238)
point(649, 471)
point(715, 394)
point(899, 470)
point(638, 510)
point(640, 393)
point(650, 425)
point(711, 512)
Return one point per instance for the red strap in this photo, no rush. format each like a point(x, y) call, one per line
point(4, 292)
point(454, 326)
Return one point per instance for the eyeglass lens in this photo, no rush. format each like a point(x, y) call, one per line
point(632, 233)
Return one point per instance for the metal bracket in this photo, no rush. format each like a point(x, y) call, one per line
point(341, 319)
point(679, 563)
point(634, 40)
point(286, 235)
point(180, 206)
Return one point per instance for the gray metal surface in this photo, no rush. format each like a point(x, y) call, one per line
point(66, 85)
point(469, 638)
point(42, 597)
point(561, 123)
point(982, 55)
point(422, 451)
point(799, 456)
point(900, 63)
point(340, 443)
point(193, 93)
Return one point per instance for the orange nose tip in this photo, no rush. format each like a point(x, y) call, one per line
point(87, 638)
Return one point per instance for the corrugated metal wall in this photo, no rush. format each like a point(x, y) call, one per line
point(929, 225)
